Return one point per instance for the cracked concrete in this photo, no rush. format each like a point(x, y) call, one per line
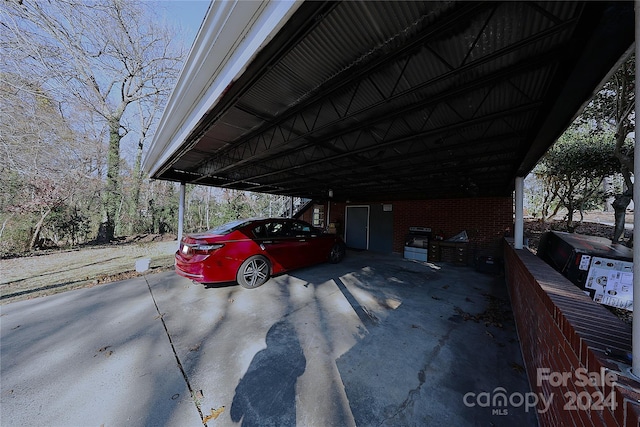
point(373, 341)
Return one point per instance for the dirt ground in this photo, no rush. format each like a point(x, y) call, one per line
point(595, 224)
point(53, 271)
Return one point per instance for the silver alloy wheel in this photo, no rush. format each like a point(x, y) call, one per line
point(253, 272)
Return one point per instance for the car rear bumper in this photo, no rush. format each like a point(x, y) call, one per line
point(206, 270)
point(192, 276)
point(191, 269)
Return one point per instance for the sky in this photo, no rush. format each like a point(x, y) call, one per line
point(187, 14)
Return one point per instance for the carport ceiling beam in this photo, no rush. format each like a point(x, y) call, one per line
point(420, 164)
point(490, 163)
point(240, 152)
point(430, 133)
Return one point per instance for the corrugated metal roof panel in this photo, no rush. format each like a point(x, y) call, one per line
point(455, 87)
point(351, 35)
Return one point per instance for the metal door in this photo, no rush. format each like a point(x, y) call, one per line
point(357, 227)
point(381, 225)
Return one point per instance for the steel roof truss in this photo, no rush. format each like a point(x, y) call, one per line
point(226, 161)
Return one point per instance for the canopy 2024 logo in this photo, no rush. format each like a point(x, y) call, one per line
point(500, 402)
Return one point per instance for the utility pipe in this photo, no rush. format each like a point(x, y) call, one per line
point(635, 337)
point(181, 212)
point(518, 232)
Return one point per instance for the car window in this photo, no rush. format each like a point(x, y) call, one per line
point(276, 229)
point(301, 229)
point(229, 227)
point(260, 231)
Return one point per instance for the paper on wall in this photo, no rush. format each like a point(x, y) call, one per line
point(612, 281)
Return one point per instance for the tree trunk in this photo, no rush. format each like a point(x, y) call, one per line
point(570, 226)
point(36, 232)
point(581, 210)
point(607, 189)
point(111, 198)
point(136, 223)
point(554, 213)
point(620, 209)
point(621, 201)
point(4, 224)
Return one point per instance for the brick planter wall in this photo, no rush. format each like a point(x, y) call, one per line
point(564, 332)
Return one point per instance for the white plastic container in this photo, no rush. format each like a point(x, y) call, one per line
point(142, 264)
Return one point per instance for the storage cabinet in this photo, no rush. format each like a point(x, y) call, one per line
point(456, 252)
point(434, 251)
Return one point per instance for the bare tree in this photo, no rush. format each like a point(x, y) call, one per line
point(147, 114)
point(108, 55)
point(44, 162)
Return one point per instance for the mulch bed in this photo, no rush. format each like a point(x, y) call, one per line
point(533, 229)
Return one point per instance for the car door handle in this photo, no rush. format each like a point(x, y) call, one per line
point(302, 240)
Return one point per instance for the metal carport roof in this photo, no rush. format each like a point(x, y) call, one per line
point(383, 100)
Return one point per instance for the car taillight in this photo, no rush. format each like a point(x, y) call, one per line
point(200, 248)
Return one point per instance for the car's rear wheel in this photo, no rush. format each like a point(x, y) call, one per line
point(254, 272)
point(338, 250)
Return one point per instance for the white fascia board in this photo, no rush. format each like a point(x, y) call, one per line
point(231, 35)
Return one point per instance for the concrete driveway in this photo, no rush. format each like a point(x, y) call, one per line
point(373, 341)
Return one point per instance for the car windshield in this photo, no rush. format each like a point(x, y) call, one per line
point(229, 227)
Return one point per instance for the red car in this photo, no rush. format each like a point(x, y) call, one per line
point(249, 251)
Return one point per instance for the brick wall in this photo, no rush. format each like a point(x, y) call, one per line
point(486, 220)
point(564, 332)
point(307, 215)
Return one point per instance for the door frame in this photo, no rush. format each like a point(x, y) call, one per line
point(346, 221)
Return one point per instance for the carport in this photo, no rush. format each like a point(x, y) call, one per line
point(400, 103)
point(367, 102)
point(382, 100)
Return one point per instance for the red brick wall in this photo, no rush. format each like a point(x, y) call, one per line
point(562, 330)
point(307, 215)
point(486, 220)
point(335, 213)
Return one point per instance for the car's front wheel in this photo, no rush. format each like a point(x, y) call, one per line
point(253, 272)
point(338, 250)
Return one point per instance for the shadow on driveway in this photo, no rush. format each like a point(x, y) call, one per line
point(375, 340)
point(266, 394)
